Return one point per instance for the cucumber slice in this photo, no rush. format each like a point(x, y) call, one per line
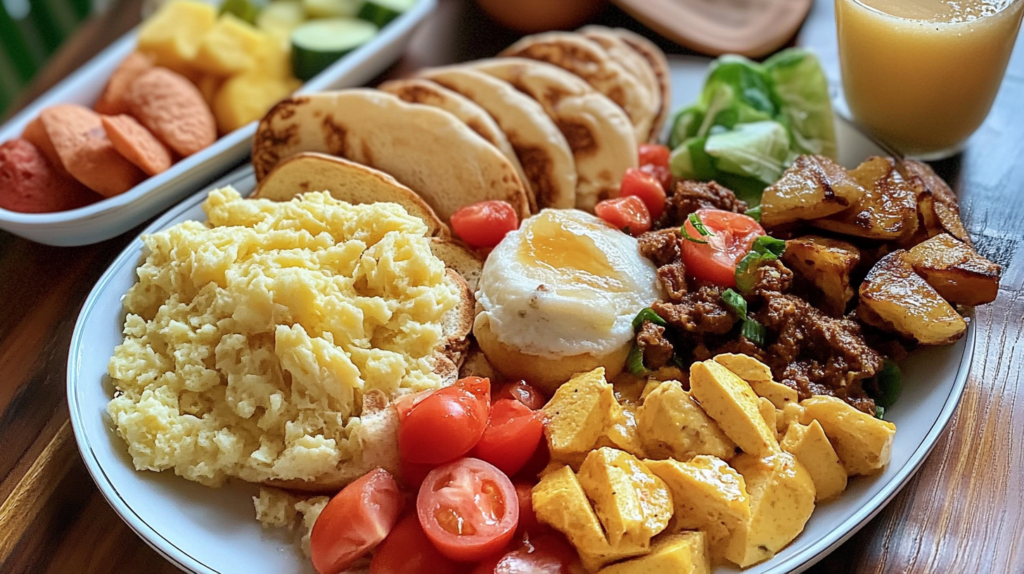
point(382, 12)
point(280, 18)
point(242, 9)
point(319, 43)
point(332, 8)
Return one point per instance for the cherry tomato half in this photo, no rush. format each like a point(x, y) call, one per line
point(355, 521)
point(545, 554)
point(654, 159)
point(446, 424)
point(512, 434)
point(732, 236)
point(647, 188)
point(626, 213)
point(524, 393)
point(407, 550)
point(484, 224)
point(528, 523)
point(468, 509)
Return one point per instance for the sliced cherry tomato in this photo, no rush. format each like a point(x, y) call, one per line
point(528, 523)
point(407, 550)
point(446, 424)
point(484, 224)
point(654, 159)
point(647, 188)
point(524, 393)
point(404, 403)
point(413, 473)
point(538, 462)
point(629, 214)
point(355, 521)
point(468, 509)
point(546, 554)
point(732, 234)
point(512, 434)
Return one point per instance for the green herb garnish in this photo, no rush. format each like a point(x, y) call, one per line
point(879, 412)
point(735, 302)
point(890, 384)
point(647, 314)
point(697, 224)
point(764, 248)
point(635, 361)
point(754, 212)
point(755, 332)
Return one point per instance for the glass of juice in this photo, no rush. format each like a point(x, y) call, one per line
point(922, 74)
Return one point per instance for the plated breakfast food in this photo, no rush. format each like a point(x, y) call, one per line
point(474, 322)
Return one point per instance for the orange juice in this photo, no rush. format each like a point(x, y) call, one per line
point(922, 74)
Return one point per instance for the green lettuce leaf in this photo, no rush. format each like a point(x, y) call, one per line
point(759, 150)
point(800, 90)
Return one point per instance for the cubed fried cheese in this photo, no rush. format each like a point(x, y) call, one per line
point(745, 367)
point(780, 395)
point(672, 424)
point(731, 402)
point(811, 447)
point(788, 415)
point(559, 501)
point(863, 442)
point(781, 501)
point(767, 410)
point(579, 414)
point(708, 495)
point(632, 503)
point(623, 433)
point(683, 553)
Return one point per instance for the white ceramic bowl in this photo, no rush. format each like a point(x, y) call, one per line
point(113, 216)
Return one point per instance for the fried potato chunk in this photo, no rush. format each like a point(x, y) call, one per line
point(955, 270)
point(813, 187)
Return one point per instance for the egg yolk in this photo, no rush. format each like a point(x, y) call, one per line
point(566, 252)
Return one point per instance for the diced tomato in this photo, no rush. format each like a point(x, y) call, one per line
point(407, 550)
point(647, 188)
point(629, 214)
point(484, 224)
point(524, 393)
point(732, 236)
point(528, 523)
point(654, 159)
point(355, 521)
point(538, 462)
point(468, 509)
point(545, 554)
point(446, 424)
point(512, 434)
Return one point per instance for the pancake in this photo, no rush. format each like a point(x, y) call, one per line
point(588, 60)
point(656, 58)
point(632, 61)
point(598, 131)
point(417, 91)
point(542, 150)
point(424, 148)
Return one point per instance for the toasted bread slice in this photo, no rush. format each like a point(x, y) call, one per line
point(347, 181)
point(656, 58)
point(459, 257)
point(458, 323)
point(429, 150)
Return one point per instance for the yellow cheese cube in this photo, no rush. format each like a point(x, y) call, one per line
point(248, 97)
point(790, 414)
point(623, 433)
point(781, 501)
point(559, 501)
point(767, 410)
point(172, 35)
point(863, 442)
point(579, 414)
point(683, 553)
point(230, 47)
point(672, 424)
point(780, 395)
point(810, 446)
point(632, 503)
point(732, 403)
point(745, 367)
point(707, 494)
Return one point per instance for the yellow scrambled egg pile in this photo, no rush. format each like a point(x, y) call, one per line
point(250, 340)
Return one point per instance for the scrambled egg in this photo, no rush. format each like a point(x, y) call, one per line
point(250, 340)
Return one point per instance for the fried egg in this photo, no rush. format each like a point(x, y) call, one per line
point(566, 283)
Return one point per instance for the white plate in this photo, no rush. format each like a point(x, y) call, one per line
point(111, 217)
point(208, 531)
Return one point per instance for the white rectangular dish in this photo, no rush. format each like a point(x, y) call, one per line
point(113, 216)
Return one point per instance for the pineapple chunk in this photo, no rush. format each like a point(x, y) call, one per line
point(247, 97)
point(172, 36)
point(230, 47)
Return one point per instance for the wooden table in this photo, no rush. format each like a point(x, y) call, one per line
point(964, 510)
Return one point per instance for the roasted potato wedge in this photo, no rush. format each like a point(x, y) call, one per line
point(886, 211)
point(936, 201)
point(827, 264)
point(813, 187)
point(907, 304)
point(955, 270)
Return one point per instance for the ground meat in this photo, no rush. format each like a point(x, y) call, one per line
point(673, 281)
point(699, 312)
point(772, 276)
point(661, 247)
point(689, 196)
point(656, 348)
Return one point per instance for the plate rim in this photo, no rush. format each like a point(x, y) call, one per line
point(184, 561)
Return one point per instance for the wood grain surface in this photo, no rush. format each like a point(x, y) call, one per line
point(963, 512)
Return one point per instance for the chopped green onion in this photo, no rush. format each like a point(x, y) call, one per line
point(890, 384)
point(686, 236)
point(635, 361)
point(755, 332)
point(647, 314)
point(766, 245)
point(754, 212)
point(699, 225)
point(735, 302)
point(879, 412)
point(764, 248)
